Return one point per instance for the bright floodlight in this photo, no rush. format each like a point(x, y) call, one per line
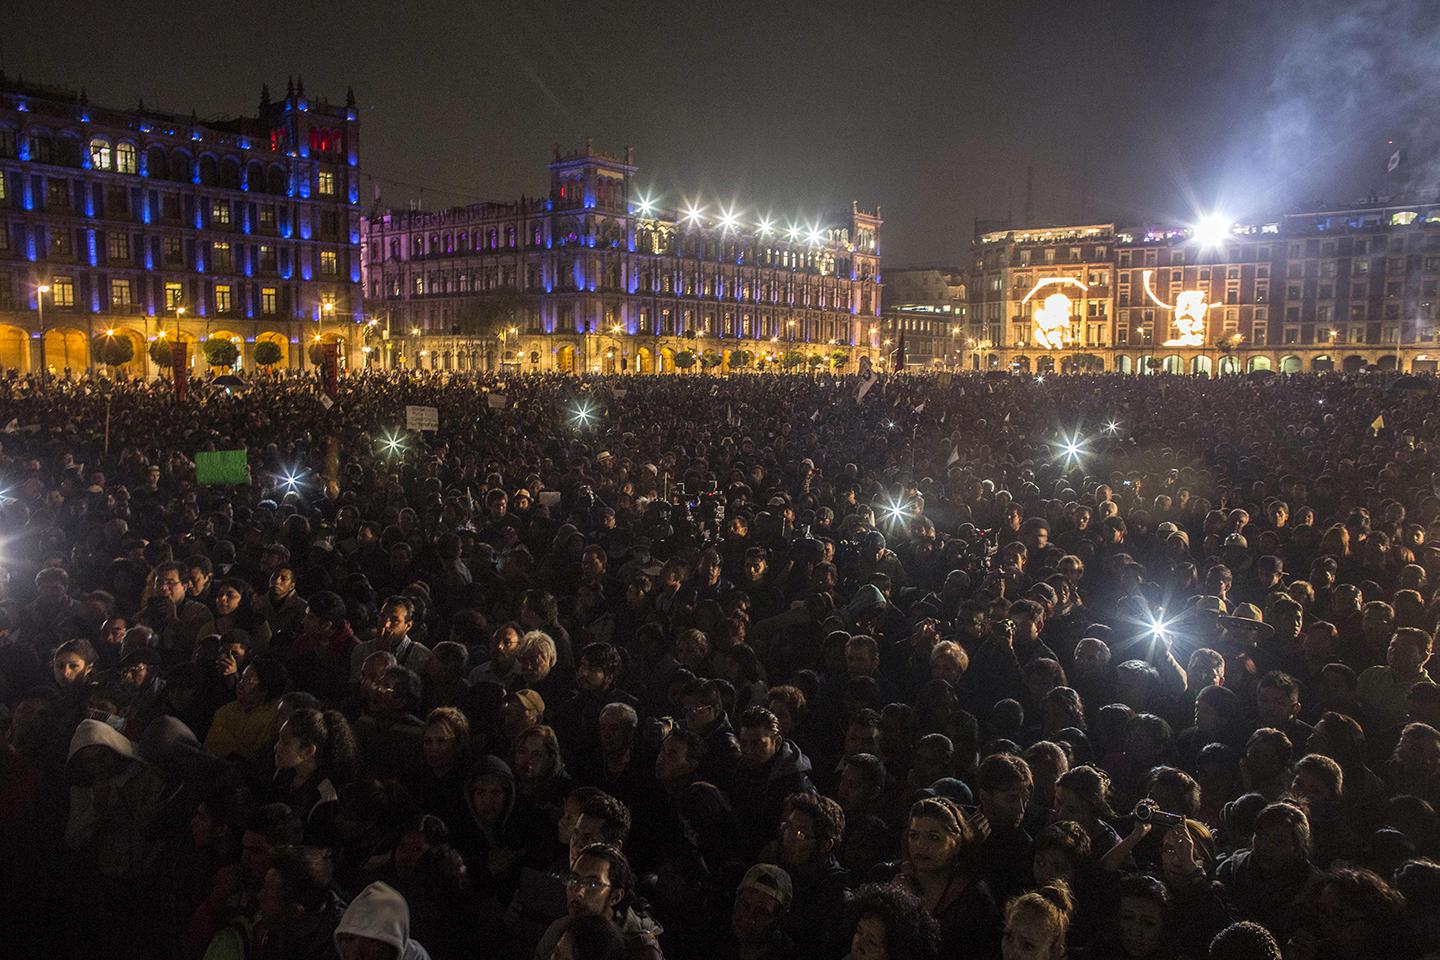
point(1040, 378)
point(583, 415)
point(791, 232)
point(728, 219)
point(814, 236)
point(646, 206)
point(393, 444)
point(292, 480)
point(1212, 231)
point(692, 212)
point(1159, 630)
point(895, 511)
point(1111, 427)
point(1073, 447)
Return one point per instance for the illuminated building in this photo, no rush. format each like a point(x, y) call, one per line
point(146, 225)
point(1312, 291)
point(596, 277)
point(1043, 293)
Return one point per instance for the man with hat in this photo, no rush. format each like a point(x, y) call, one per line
point(762, 902)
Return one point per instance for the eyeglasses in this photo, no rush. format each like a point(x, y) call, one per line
point(588, 884)
point(802, 835)
point(167, 583)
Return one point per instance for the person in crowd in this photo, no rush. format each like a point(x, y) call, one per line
point(891, 924)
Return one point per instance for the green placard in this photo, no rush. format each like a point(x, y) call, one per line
point(219, 467)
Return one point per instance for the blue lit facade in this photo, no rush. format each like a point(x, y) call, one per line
point(593, 283)
point(128, 214)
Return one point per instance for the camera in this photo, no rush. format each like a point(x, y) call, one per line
point(1147, 811)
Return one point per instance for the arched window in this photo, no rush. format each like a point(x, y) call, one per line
point(180, 166)
point(230, 173)
point(100, 156)
point(209, 174)
point(125, 158)
point(157, 164)
point(275, 181)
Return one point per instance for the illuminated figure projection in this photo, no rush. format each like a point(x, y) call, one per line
point(1052, 317)
point(1190, 308)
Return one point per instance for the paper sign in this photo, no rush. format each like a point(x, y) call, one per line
point(422, 418)
point(619, 393)
point(325, 401)
point(497, 401)
point(215, 468)
point(549, 497)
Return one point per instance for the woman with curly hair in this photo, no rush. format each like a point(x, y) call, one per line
point(892, 925)
point(1083, 795)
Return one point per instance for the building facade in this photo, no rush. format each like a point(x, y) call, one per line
point(929, 308)
point(593, 277)
point(1342, 289)
point(150, 227)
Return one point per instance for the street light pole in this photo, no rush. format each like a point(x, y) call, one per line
point(40, 292)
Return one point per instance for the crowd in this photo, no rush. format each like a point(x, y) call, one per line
point(1107, 668)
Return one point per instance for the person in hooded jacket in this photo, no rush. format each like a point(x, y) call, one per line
point(376, 926)
point(115, 797)
point(771, 769)
point(492, 842)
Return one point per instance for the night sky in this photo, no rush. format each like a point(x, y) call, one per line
point(1136, 110)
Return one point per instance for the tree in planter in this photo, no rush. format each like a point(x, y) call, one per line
point(112, 351)
point(740, 359)
point(814, 361)
point(685, 359)
point(267, 353)
point(792, 359)
point(221, 353)
point(1085, 362)
point(710, 361)
point(316, 353)
point(160, 353)
point(1155, 364)
point(838, 359)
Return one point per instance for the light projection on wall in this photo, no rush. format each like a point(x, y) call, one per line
point(1052, 316)
point(1190, 309)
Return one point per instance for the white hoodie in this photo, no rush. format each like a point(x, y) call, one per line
point(379, 912)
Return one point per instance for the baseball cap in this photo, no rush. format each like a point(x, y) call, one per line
point(530, 700)
point(769, 880)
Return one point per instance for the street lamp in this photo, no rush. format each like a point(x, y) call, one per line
point(40, 292)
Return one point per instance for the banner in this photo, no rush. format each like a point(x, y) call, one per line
point(330, 359)
point(180, 366)
point(422, 418)
point(221, 467)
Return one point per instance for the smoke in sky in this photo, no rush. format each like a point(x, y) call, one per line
point(1348, 77)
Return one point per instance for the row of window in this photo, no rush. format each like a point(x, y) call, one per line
point(161, 164)
point(648, 242)
point(224, 299)
point(173, 252)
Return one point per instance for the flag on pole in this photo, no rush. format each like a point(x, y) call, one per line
point(815, 416)
point(921, 408)
point(866, 379)
point(1393, 162)
point(954, 456)
point(1378, 423)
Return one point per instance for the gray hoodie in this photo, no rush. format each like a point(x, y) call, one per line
point(379, 912)
point(115, 798)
